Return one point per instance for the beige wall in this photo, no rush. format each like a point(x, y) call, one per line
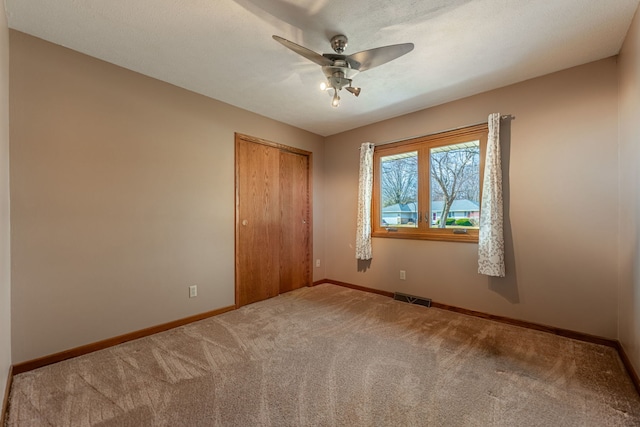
point(122, 196)
point(629, 95)
point(5, 264)
point(561, 159)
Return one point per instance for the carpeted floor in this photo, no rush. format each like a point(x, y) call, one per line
point(331, 356)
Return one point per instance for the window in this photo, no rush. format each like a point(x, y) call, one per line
point(429, 187)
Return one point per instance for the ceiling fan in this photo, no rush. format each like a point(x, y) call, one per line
point(340, 69)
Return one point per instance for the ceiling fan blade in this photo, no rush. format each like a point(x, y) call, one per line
point(303, 51)
point(367, 59)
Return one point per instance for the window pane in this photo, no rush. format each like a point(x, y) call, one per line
point(399, 190)
point(455, 185)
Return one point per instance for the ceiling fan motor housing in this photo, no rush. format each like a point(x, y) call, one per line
point(339, 76)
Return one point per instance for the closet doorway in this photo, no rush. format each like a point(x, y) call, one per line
point(273, 219)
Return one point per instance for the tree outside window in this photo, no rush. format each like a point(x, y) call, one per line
point(455, 177)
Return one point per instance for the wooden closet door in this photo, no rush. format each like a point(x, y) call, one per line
point(257, 222)
point(273, 219)
point(294, 221)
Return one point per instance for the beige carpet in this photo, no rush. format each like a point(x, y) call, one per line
point(330, 356)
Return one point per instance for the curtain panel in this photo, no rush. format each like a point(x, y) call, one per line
point(491, 239)
point(365, 189)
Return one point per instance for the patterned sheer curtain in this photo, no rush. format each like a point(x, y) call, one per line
point(365, 189)
point(491, 239)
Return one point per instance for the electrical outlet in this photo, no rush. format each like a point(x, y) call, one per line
point(318, 262)
point(193, 291)
point(403, 275)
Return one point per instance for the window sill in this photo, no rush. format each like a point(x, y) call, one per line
point(440, 235)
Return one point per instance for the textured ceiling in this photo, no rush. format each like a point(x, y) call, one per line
point(223, 48)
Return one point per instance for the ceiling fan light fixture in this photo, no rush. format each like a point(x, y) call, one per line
point(335, 102)
point(354, 90)
point(323, 86)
